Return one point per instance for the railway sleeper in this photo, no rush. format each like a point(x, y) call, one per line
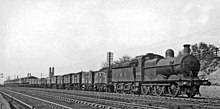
point(187, 99)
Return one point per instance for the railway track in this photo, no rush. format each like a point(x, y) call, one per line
point(166, 102)
point(24, 101)
point(90, 101)
point(179, 102)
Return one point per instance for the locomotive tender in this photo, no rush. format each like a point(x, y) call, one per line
point(149, 74)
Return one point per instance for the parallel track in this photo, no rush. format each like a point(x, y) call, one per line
point(91, 101)
point(30, 102)
point(179, 102)
point(151, 100)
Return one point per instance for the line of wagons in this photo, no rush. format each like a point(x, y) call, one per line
point(91, 80)
point(149, 74)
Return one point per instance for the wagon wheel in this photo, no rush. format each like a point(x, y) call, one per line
point(174, 90)
point(159, 90)
point(90, 88)
point(133, 89)
point(110, 88)
point(126, 89)
point(119, 89)
point(99, 88)
point(191, 92)
point(116, 89)
point(122, 89)
point(145, 90)
point(106, 89)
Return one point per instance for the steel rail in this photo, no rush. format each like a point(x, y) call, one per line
point(17, 100)
point(207, 102)
point(51, 103)
point(100, 103)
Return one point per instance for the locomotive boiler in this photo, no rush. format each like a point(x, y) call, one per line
point(157, 75)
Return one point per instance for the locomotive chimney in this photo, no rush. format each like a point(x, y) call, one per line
point(169, 53)
point(186, 48)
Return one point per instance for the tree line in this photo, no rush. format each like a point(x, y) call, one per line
point(202, 50)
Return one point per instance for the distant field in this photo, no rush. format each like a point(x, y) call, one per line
point(210, 91)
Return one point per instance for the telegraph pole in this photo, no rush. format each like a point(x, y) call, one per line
point(109, 62)
point(109, 59)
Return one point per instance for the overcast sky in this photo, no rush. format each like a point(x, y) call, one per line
point(74, 35)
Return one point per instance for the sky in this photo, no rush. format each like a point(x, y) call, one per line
point(75, 35)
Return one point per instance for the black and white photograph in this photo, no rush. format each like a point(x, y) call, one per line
point(109, 54)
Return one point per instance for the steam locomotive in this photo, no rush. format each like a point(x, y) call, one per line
point(149, 74)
